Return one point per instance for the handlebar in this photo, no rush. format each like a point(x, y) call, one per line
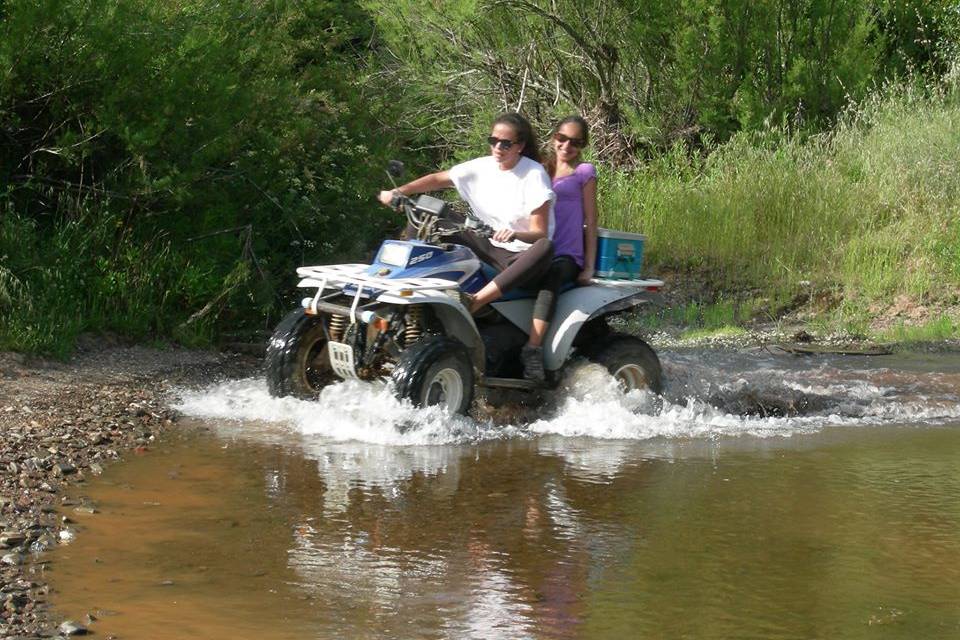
point(432, 222)
point(474, 224)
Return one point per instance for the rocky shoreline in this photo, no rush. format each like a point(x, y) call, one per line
point(789, 338)
point(60, 424)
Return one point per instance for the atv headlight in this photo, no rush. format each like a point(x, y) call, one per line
point(396, 255)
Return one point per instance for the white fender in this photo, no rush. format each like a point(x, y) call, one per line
point(574, 307)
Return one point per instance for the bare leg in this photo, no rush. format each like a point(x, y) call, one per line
point(489, 293)
point(538, 329)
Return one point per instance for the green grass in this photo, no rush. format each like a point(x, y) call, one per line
point(852, 319)
point(707, 317)
point(871, 210)
point(938, 329)
point(88, 274)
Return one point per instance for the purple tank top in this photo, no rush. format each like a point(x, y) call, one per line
point(568, 212)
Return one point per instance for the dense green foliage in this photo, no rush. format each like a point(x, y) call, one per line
point(164, 166)
point(651, 73)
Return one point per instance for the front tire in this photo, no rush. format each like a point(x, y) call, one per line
point(436, 371)
point(297, 361)
point(631, 361)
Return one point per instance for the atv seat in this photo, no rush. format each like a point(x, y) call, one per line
point(519, 293)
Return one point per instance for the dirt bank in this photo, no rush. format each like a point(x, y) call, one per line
point(59, 424)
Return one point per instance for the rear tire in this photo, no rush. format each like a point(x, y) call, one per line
point(631, 361)
point(297, 361)
point(435, 371)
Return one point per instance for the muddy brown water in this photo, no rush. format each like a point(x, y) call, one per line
point(829, 509)
point(843, 533)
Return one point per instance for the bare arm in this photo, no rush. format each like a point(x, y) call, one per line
point(590, 232)
point(539, 224)
point(430, 182)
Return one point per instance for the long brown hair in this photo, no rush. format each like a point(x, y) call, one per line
point(525, 133)
point(551, 163)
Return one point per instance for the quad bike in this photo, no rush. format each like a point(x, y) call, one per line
point(402, 319)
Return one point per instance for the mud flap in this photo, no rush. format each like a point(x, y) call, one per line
point(341, 360)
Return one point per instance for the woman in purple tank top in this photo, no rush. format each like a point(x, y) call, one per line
point(574, 235)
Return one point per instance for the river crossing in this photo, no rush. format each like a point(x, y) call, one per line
point(765, 496)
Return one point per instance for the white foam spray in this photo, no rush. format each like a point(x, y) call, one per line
point(589, 404)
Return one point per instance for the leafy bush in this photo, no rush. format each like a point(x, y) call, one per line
point(180, 158)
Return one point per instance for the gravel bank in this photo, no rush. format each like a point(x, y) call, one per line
point(60, 423)
point(785, 339)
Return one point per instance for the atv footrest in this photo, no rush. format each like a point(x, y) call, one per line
point(512, 383)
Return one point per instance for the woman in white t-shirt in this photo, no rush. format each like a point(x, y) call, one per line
point(510, 191)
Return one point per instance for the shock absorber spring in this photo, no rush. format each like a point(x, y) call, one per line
point(337, 325)
point(414, 326)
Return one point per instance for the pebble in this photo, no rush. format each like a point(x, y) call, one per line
point(12, 539)
point(12, 559)
point(71, 628)
point(65, 469)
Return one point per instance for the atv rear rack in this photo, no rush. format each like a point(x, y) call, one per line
point(340, 275)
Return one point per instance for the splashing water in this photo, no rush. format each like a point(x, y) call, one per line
point(347, 411)
point(708, 396)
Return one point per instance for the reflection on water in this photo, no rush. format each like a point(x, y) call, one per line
point(260, 533)
point(762, 497)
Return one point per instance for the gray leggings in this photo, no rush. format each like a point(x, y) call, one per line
point(563, 269)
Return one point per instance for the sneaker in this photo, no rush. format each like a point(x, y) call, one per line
point(532, 359)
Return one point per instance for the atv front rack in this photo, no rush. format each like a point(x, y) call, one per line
point(355, 275)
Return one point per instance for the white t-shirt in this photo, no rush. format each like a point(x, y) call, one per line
point(504, 199)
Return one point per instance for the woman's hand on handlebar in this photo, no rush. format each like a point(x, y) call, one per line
point(504, 235)
point(386, 197)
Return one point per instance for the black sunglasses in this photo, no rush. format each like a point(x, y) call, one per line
point(577, 142)
point(503, 143)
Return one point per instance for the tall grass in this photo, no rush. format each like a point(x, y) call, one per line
point(871, 209)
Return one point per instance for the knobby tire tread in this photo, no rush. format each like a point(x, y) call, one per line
point(281, 358)
point(413, 364)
